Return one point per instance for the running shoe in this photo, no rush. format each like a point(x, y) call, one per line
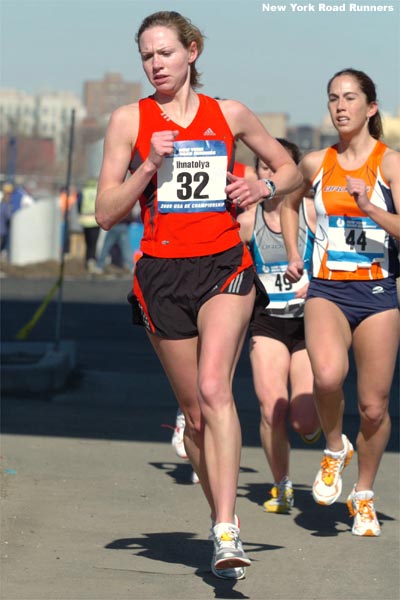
point(177, 436)
point(361, 507)
point(311, 438)
point(228, 549)
point(282, 497)
point(236, 572)
point(327, 486)
point(194, 477)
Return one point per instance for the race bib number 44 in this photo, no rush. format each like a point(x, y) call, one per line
point(193, 178)
point(353, 242)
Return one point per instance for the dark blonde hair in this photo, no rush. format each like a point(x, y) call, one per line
point(368, 88)
point(186, 31)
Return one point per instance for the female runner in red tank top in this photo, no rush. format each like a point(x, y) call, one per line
point(352, 299)
point(194, 286)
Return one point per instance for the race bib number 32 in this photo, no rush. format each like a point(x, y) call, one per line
point(193, 178)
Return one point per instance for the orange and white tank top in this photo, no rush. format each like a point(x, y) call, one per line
point(184, 207)
point(348, 244)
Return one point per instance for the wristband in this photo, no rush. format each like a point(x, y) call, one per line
point(271, 186)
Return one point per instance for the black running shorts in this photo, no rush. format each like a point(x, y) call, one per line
point(170, 292)
point(289, 331)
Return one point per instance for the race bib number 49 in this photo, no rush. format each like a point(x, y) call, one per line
point(193, 178)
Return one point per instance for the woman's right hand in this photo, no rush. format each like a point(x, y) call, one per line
point(295, 270)
point(161, 145)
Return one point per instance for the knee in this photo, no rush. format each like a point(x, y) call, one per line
point(213, 392)
point(274, 414)
point(372, 414)
point(194, 426)
point(329, 379)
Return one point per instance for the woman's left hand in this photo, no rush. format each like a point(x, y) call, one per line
point(243, 192)
point(302, 292)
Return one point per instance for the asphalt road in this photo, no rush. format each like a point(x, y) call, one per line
point(95, 504)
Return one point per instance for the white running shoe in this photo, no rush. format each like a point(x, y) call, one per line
point(236, 572)
point(177, 437)
point(361, 507)
point(194, 477)
point(328, 482)
point(228, 549)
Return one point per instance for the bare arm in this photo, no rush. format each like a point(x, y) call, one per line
point(117, 195)
point(245, 125)
point(357, 188)
point(290, 215)
point(250, 173)
point(247, 220)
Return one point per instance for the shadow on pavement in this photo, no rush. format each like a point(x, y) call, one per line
point(119, 390)
point(184, 548)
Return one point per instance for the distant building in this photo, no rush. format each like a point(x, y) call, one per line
point(328, 134)
point(43, 115)
point(277, 126)
point(32, 156)
point(306, 137)
point(276, 123)
point(18, 112)
point(102, 97)
point(391, 130)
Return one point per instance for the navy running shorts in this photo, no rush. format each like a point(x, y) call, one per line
point(356, 299)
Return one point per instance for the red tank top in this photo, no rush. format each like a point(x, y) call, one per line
point(183, 210)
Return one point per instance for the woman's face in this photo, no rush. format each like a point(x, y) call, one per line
point(348, 105)
point(263, 170)
point(165, 60)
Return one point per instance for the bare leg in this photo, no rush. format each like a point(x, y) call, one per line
point(270, 365)
point(222, 322)
point(375, 346)
point(328, 339)
point(303, 413)
point(179, 359)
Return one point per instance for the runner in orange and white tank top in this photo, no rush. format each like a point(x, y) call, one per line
point(351, 245)
point(352, 299)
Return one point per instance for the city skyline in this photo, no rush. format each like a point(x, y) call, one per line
point(272, 60)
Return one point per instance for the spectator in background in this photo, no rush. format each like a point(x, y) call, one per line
point(5, 216)
point(68, 202)
point(20, 198)
point(118, 235)
point(13, 199)
point(91, 230)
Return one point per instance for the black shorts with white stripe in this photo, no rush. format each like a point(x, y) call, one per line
point(170, 292)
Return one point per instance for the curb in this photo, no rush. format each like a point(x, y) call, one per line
point(36, 367)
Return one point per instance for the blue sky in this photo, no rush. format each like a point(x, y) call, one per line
point(271, 61)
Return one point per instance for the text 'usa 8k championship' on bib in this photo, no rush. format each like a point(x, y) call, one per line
point(193, 178)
